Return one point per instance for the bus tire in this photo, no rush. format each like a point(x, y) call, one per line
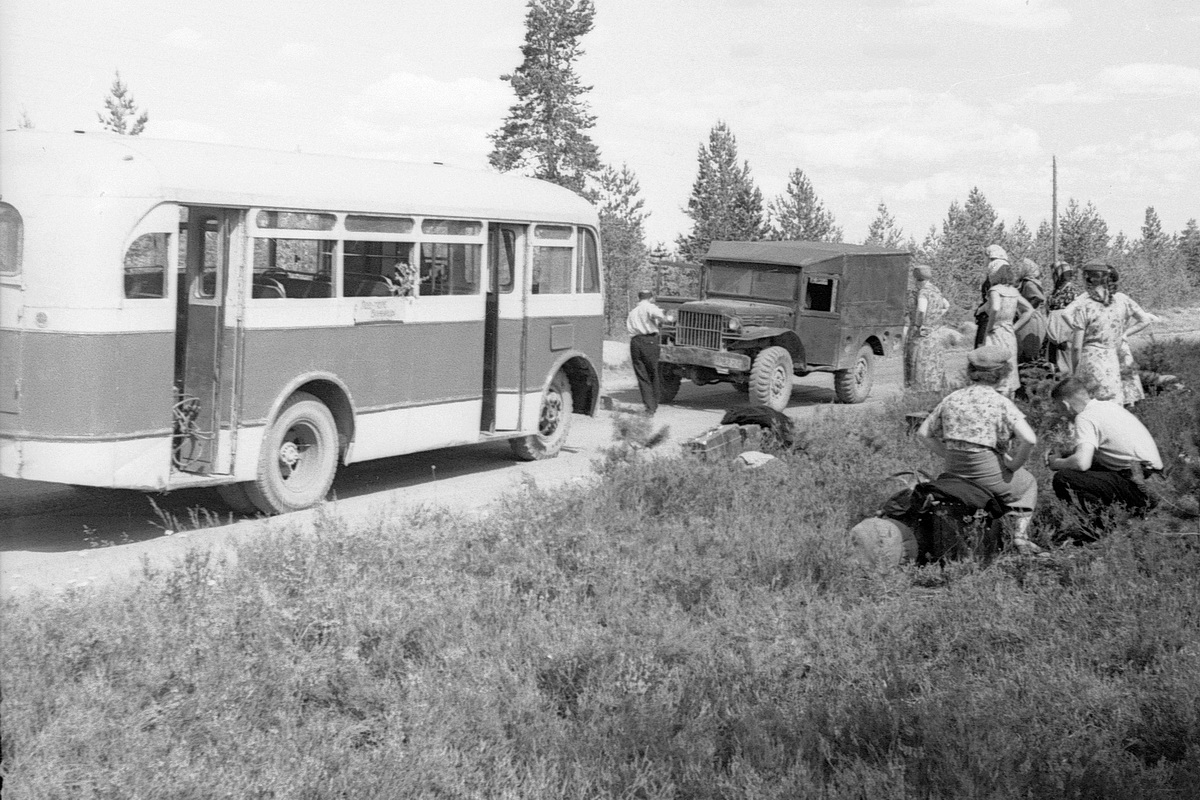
point(771, 378)
point(854, 385)
point(554, 422)
point(237, 498)
point(298, 458)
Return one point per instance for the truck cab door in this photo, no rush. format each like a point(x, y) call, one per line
point(820, 319)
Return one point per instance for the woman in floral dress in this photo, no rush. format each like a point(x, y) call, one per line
point(1102, 319)
point(924, 355)
point(1131, 379)
point(1007, 310)
point(1059, 333)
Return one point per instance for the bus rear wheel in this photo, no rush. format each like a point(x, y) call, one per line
point(298, 459)
point(554, 422)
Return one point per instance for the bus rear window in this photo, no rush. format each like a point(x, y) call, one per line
point(588, 279)
point(146, 266)
point(12, 237)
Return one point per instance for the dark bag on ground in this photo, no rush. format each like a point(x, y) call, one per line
point(769, 419)
point(952, 517)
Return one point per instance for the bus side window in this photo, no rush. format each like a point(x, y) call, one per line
point(551, 270)
point(450, 268)
point(588, 279)
point(146, 266)
point(369, 268)
point(295, 268)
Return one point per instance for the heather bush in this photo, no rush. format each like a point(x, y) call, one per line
point(679, 629)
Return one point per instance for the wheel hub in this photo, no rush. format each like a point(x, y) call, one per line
point(289, 454)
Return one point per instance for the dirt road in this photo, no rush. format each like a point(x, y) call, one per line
point(54, 537)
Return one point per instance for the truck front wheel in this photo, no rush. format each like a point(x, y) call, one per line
point(771, 378)
point(854, 385)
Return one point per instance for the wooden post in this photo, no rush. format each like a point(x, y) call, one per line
point(1054, 207)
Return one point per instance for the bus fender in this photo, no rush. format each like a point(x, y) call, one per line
point(585, 381)
point(330, 390)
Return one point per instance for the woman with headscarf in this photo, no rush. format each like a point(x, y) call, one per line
point(924, 367)
point(1007, 310)
point(1059, 333)
point(1032, 335)
point(984, 438)
point(1102, 318)
point(996, 258)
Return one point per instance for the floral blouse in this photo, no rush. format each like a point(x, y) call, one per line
point(1103, 326)
point(1062, 297)
point(975, 418)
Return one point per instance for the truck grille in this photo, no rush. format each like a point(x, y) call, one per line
point(695, 329)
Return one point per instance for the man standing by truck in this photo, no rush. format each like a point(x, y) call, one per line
point(642, 326)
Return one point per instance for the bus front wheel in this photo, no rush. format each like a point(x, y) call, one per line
point(554, 422)
point(298, 459)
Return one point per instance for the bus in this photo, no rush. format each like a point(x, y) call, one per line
point(178, 314)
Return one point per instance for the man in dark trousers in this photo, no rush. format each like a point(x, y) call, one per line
point(642, 325)
point(1113, 451)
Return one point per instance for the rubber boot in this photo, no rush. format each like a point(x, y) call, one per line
point(1017, 526)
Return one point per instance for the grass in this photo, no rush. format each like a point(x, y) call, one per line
point(680, 630)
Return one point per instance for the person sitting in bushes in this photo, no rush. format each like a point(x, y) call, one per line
point(1112, 454)
point(983, 437)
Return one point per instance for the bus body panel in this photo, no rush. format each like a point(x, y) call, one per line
point(88, 371)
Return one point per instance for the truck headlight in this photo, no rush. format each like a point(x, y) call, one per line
point(735, 324)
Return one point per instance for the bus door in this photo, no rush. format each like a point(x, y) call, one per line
point(199, 330)
point(503, 332)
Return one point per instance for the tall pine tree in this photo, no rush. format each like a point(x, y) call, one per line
point(883, 230)
point(545, 133)
point(623, 236)
point(1154, 241)
point(1189, 250)
point(798, 215)
point(725, 204)
point(121, 112)
point(1082, 234)
point(966, 233)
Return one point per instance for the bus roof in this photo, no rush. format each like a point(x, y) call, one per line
point(794, 254)
point(224, 175)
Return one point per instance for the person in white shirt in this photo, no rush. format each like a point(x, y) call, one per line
point(1113, 451)
point(642, 326)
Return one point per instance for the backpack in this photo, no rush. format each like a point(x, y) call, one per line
point(951, 517)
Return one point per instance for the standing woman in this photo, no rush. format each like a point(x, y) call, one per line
point(1059, 333)
point(1006, 311)
point(1101, 319)
point(1032, 335)
point(924, 367)
point(1131, 380)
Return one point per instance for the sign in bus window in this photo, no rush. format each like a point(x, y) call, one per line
point(295, 221)
point(451, 227)
point(449, 268)
point(376, 269)
point(553, 231)
point(296, 268)
point(146, 266)
point(588, 279)
point(12, 235)
point(360, 223)
point(551, 270)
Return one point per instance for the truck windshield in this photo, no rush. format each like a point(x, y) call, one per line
point(744, 281)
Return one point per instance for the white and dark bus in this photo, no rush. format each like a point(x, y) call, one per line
point(177, 314)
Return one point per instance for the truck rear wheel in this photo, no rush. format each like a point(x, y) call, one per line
point(771, 378)
point(854, 385)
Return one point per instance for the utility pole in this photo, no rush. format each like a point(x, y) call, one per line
point(1054, 207)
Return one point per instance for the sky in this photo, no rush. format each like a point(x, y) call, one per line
point(907, 102)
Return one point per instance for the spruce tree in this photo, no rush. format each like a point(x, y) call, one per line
point(623, 237)
point(545, 133)
point(1189, 250)
point(883, 231)
point(966, 233)
point(122, 115)
point(798, 215)
point(1082, 234)
point(1154, 241)
point(725, 204)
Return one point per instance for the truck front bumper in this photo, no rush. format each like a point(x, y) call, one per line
point(700, 357)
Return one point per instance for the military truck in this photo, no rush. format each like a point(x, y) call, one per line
point(769, 311)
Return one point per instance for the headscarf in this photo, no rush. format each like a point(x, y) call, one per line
point(922, 272)
point(1030, 269)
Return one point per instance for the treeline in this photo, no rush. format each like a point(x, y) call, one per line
point(545, 135)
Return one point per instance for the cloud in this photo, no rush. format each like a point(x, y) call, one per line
point(267, 89)
point(188, 39)
point(1160, 80)
point(1026, 15)
point(1053, 94)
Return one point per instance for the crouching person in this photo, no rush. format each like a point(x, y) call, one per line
point(984, 438)
point(1113, 451)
